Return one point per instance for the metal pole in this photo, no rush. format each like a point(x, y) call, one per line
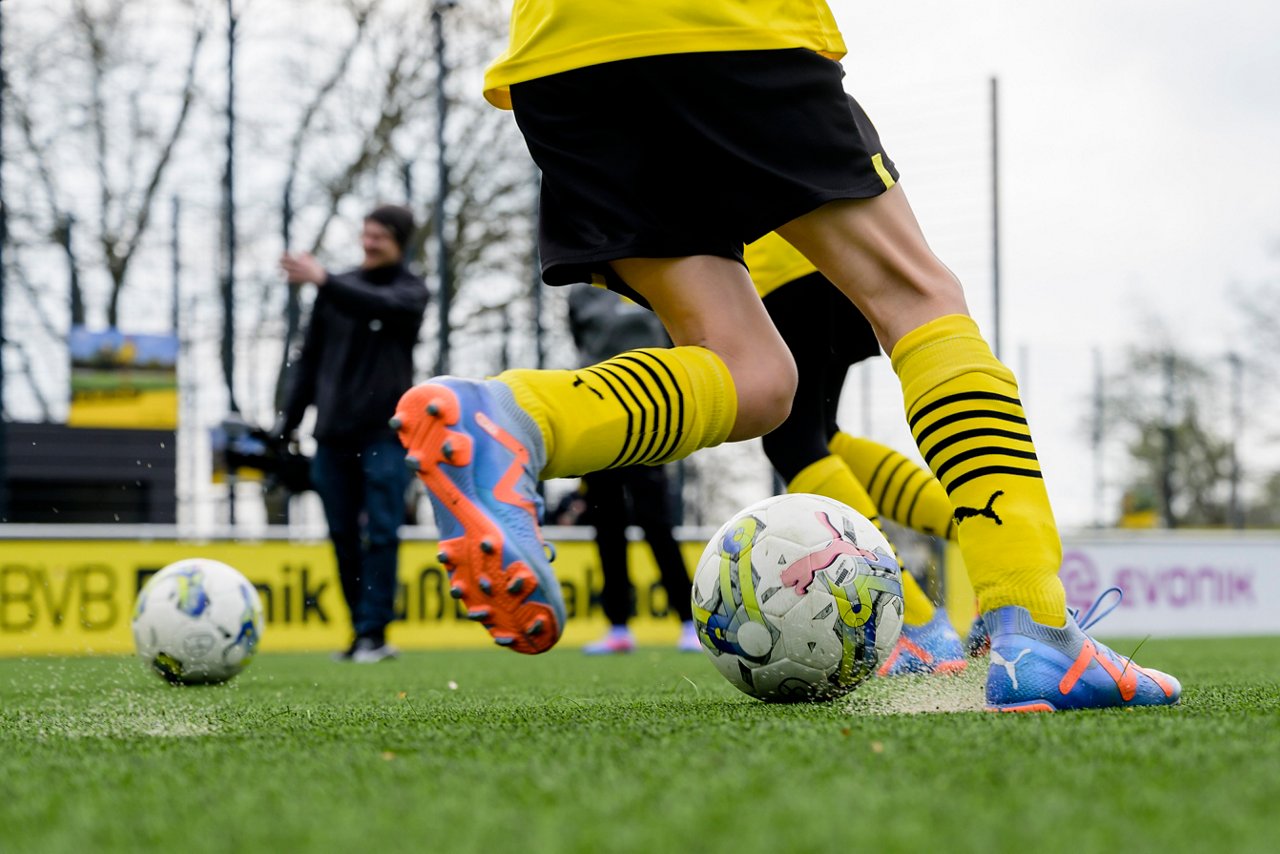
point(442, 187)
point(292, 307)
point(995, 213)
point(1235, 510)
point(406, 180)
point(535, 276)
point(180, 370)
point(1167, 446)
point(175, 250)
point(4, 239)
point(229, 222)
point(229, 239)
point(1096, 437)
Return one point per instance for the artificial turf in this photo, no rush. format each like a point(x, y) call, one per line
point(488, 750)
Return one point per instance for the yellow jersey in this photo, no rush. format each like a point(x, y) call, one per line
point(773, 262)
point(551, 36)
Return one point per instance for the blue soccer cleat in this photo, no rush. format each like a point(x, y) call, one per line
point(978, 643)
point(931, 648)
point(1037, 668)
point(479, 455)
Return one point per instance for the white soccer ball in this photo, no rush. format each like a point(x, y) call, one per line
point(197, 621)
point(797, 598)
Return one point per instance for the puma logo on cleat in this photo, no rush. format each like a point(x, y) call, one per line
point(579, 381)
point(1001, 661)
point(963, 513)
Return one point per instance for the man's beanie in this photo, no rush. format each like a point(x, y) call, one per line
point(397, 219)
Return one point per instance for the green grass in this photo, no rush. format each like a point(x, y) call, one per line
point(486, 750)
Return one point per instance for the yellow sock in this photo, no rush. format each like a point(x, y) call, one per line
point(642, 407)
point(917, 608)
point(906, 493)
point(963, 408)
point(830, 477)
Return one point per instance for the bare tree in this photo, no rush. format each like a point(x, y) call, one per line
point(372, 114)
point(98, 116)
point(1166, 404)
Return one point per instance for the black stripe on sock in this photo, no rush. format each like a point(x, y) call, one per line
point(630, 431)
point(977, 453)
point(630, 381)
point(986, 470)
point(915, 499)
point(960, 397)
point(874, 473)
point(674, 437)
point(897, 502)
point(978, 433)
point(968, 415)
point(888, 481)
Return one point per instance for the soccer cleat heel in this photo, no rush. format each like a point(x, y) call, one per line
point(479, 457)
point(931, 648)
point(1038, 668)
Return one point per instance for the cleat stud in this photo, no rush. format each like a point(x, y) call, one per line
point(447, 450)
point(442, 556)
point(505, 640)
point(479, 614)
point(516, 585)
point(433, 409)
point(412, 464)
point(535, 628)
point(486, 586)
point(486, 546)
point(395, 423)
point(455, 591)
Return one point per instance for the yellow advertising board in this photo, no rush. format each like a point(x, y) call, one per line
point(76, 596)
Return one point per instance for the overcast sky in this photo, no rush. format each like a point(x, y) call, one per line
point(1139, 148)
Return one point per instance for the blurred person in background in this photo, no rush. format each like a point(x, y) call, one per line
point(604, 324)
point(356, 361)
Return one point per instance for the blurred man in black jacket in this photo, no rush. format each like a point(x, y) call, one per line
point(355, 363)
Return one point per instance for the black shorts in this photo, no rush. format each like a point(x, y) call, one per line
point(689, 154)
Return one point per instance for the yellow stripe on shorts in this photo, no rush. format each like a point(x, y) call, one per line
point(877, 160)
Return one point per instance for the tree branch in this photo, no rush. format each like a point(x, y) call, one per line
point(143, 214)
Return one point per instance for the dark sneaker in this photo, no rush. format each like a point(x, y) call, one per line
point(372, 650)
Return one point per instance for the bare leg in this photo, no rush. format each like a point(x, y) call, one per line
point(874, 251)
point(707, 301)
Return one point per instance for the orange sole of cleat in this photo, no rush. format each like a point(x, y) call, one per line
point(494, 595)
point(950, 668)
point(1029, 707)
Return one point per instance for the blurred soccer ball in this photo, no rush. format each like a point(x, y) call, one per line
point(197, 621)
point(797, 598)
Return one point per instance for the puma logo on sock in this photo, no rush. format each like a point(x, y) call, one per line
point(579, 381)
point(963, 513)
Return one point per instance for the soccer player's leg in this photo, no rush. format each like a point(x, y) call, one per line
point(481, 446)
point(825, 335)
point(965, 414)
point(904, 492)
